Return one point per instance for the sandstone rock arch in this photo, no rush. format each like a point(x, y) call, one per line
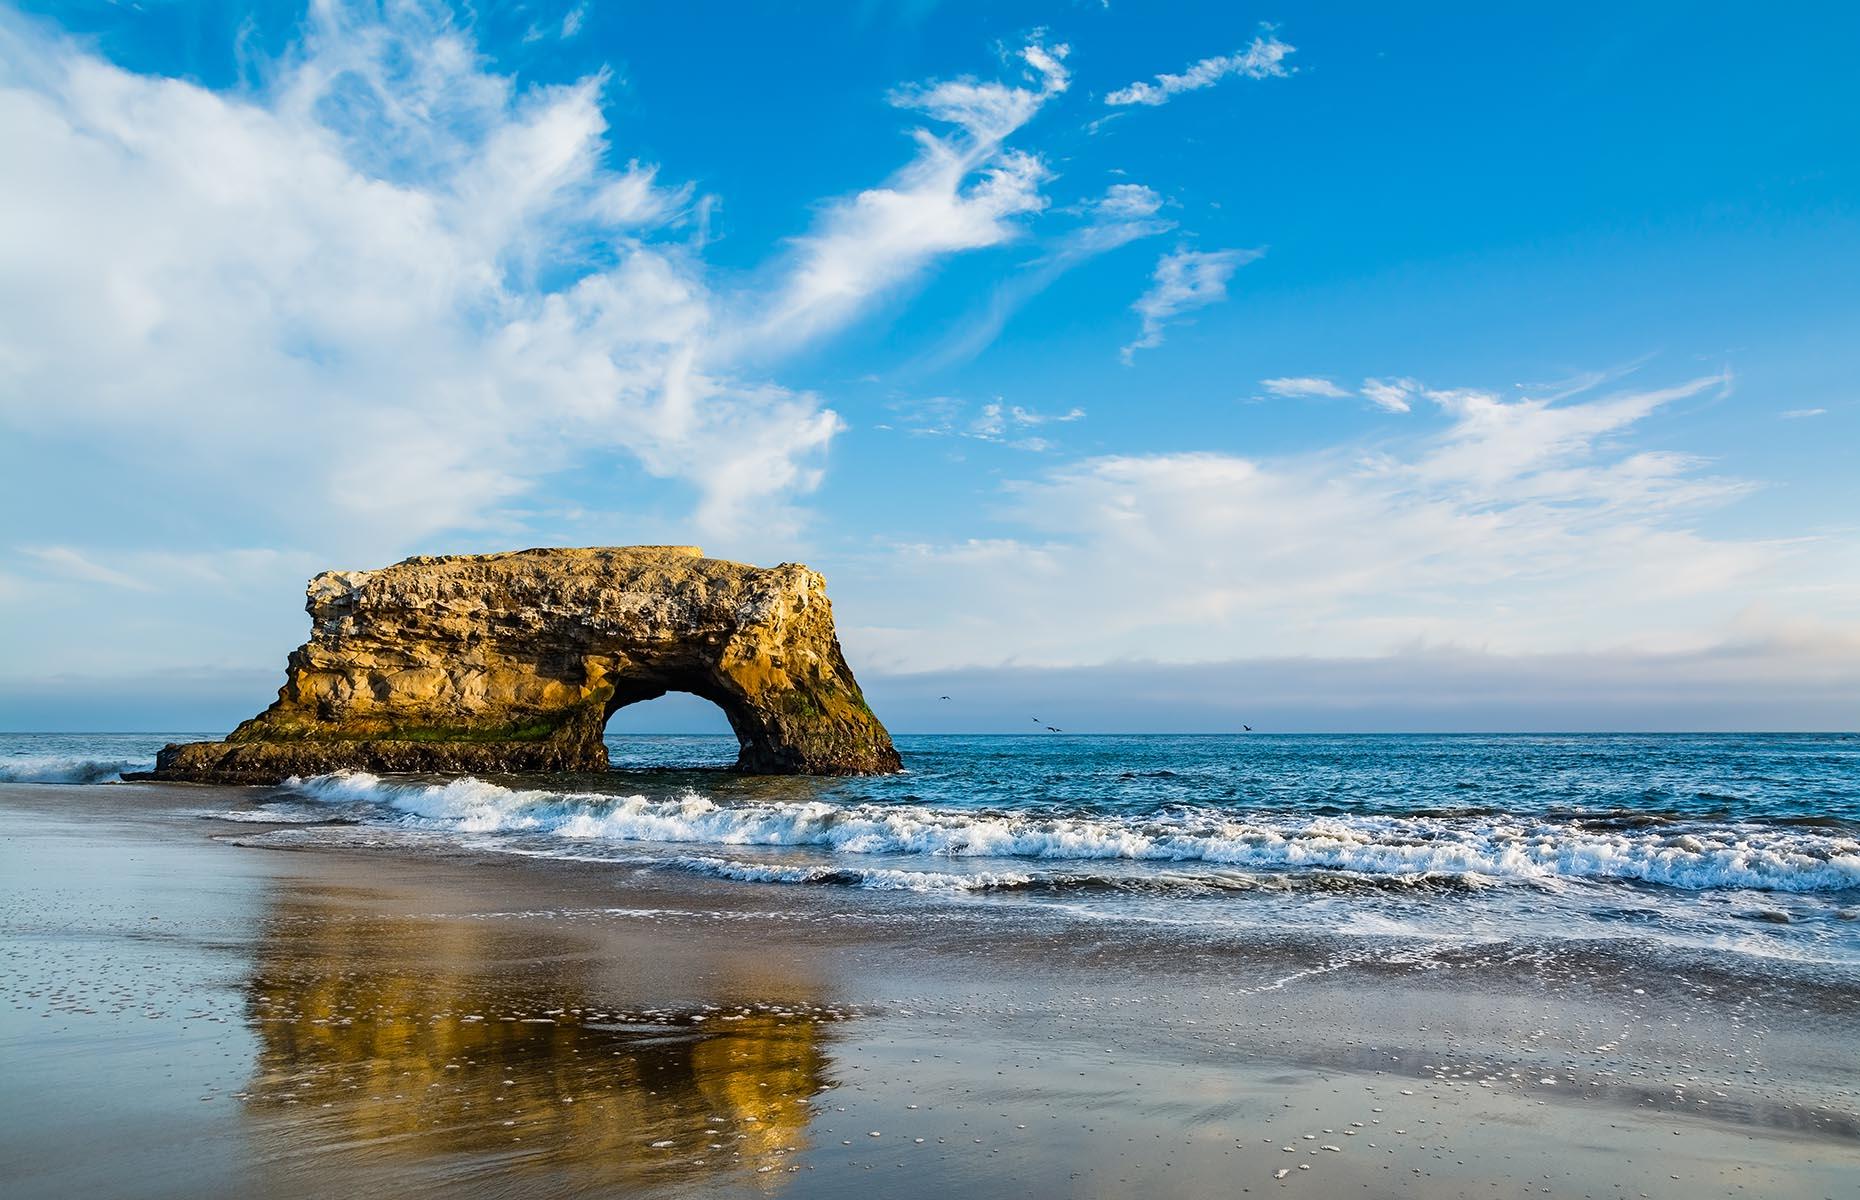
point(514, 662)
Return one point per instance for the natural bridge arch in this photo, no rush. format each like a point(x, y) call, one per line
point(513, 663)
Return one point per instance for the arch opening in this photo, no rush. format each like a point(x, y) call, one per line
point(674, 729)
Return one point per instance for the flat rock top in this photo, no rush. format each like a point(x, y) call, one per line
point(674, 583)
point(632, 566)
point(565, 555)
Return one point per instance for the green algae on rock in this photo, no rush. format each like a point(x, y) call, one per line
point(514, 662)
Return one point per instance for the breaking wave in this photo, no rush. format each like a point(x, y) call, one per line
point(58, 768)
point(1681, 855)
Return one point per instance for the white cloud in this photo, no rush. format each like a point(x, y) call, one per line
point(1127, 202)
point(571, 20)
point(962, 192)
point(1524, 527)
point(1796, 414)
point(1537, 448)
point(393, 279)
point(413, 289)
point(1298, 386)
point(1263, 59)
point(1391, 395)
point(1183, 281)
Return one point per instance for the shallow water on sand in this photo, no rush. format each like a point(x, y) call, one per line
point(185, 1016)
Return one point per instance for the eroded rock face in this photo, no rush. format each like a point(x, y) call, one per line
point(513, 663)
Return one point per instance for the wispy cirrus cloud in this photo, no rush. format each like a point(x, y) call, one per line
point(1290, 387)
point(145, 570)
point(140, 608)
point(70, 563)
point(1263, 58)
point(995, 421)
point(1391, 395)
point(1182, 282)
point(961, 192)
point(1125, 213)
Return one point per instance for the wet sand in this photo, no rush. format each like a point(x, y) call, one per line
point(182, 1015)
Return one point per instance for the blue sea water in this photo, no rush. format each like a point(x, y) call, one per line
point(1743, 844)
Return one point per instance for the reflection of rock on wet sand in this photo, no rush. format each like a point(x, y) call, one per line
point(451, 1052)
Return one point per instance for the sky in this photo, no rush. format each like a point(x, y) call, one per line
point(1157, 367)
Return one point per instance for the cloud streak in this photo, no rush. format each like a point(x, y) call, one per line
point(1125, 213)
point(69, 563)
point(961, 192)
point(1264, 58)
point(1296, 387)
point(1007, 424)
point(1391, 395)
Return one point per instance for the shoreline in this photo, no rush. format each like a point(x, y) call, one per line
point(1085, 1055)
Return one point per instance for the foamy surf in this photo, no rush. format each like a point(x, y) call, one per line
point(56, 768)
point(1688, 856)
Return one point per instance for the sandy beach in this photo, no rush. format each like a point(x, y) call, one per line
point(185, 1015)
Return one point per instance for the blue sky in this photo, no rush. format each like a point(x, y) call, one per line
point(1365, 367)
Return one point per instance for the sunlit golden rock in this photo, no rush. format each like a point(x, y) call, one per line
point(514, 662)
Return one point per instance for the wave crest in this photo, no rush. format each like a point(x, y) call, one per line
point(58, 768)
point(1702, 856)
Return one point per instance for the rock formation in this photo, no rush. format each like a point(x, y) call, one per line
point(512, 663)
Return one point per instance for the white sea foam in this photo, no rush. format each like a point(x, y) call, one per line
point(60, 768)
point(1696, 857)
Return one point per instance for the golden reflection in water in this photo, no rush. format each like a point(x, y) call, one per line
point(471, 1041)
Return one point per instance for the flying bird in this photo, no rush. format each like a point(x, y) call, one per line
point(1248, 728)
point(942, 697)
point(1054, 729)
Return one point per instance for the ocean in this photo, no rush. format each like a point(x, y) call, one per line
point(1714, 844)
